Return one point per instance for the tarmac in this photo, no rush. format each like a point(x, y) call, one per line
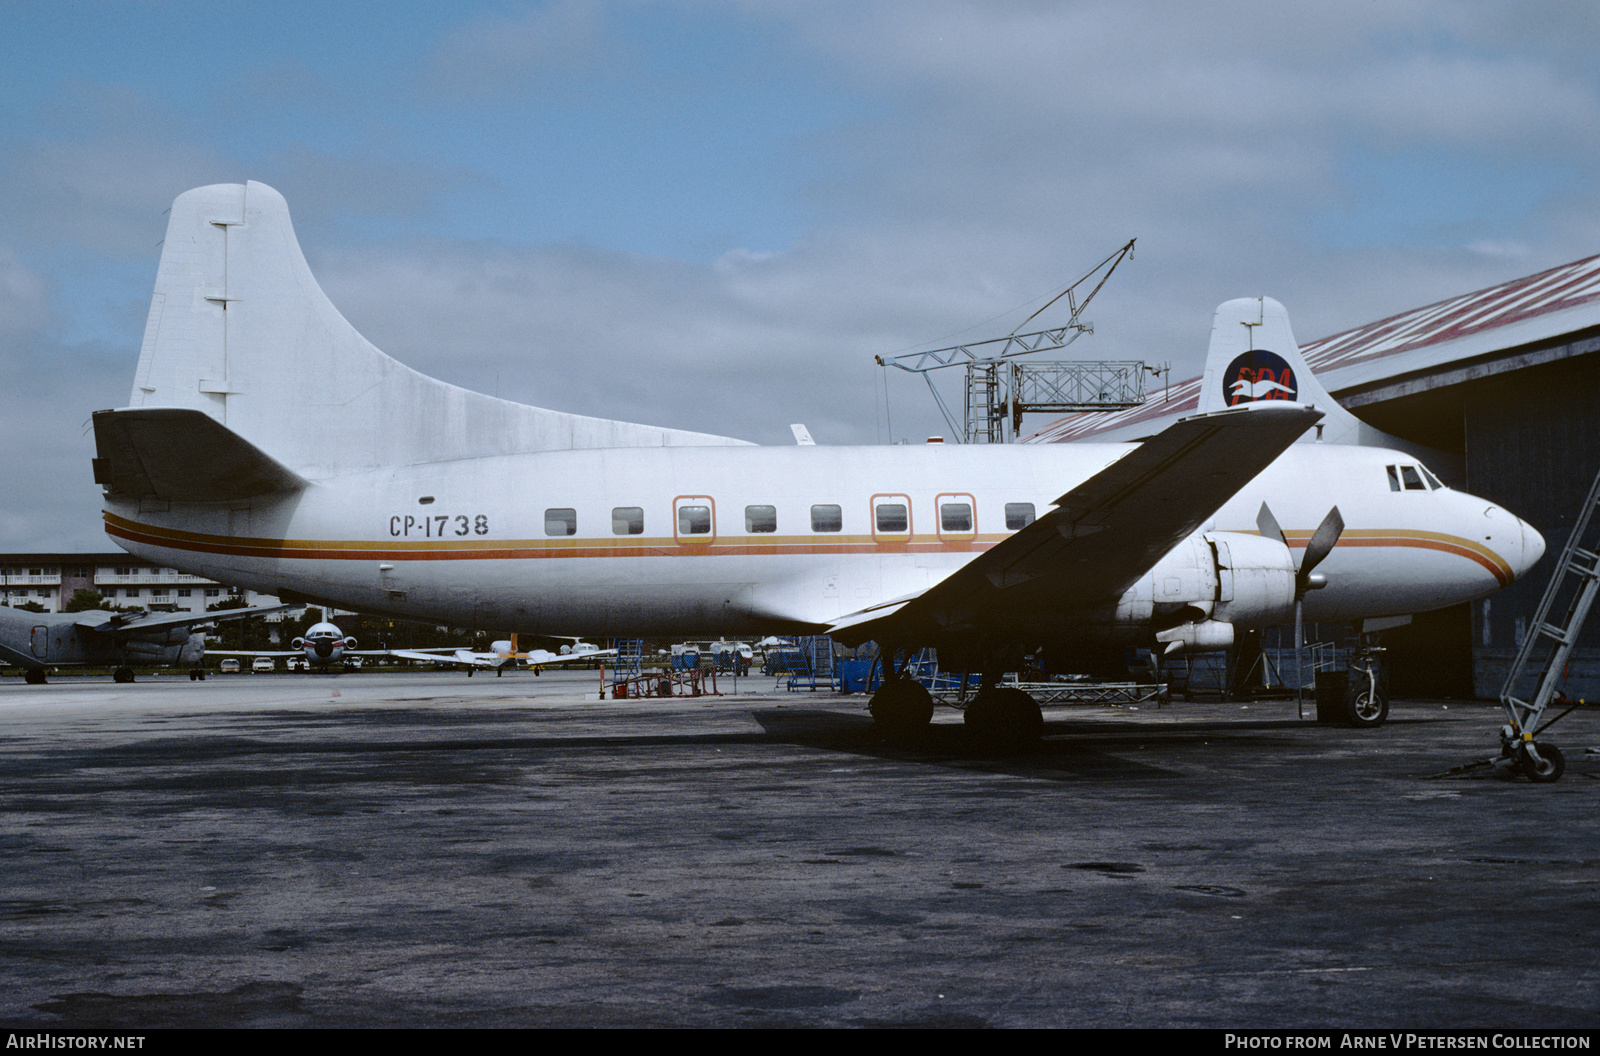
point(424, 849)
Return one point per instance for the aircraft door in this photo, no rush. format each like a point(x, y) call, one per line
point(39, 642)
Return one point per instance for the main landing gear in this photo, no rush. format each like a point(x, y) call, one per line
point(122, 674)
point(1005, 717)
point(997, 717)
point(901, 706)
point(33, 676)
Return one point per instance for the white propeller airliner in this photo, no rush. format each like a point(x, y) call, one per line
point(268, 445)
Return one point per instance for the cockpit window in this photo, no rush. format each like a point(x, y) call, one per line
point(1433, 481)
point(1410, 478)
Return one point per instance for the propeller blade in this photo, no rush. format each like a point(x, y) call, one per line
point(1322, 541)
point(1267, 525)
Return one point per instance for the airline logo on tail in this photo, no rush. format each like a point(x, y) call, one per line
point(1259, 375)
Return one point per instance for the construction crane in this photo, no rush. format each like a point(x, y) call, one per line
point(999, 389)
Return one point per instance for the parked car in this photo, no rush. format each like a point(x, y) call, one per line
point(263, 663)
point(299, 663)
point(229, 666)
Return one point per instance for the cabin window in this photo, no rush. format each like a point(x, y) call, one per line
point(826, 518)
point(560, 521)
point(760, 519)
point(694, 520)
point(892, 518)
point(627, 520)
point(955, 517)
point(1018, 515)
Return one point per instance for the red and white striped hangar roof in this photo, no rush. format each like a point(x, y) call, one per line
point(1535, 308)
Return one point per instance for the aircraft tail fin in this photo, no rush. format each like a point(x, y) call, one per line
point(1254, 358)
point(240, 331)
point(182, 455)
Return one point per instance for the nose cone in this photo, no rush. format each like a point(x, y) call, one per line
point(1532, 548)
point(1517, 542)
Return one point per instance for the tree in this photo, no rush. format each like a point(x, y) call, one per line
point(83, 599)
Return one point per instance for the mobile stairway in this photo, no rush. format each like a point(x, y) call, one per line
point(1543, 655)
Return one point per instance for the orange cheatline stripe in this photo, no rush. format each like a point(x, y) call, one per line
point(1449, 544)
point(521, 549)
point(525, 549)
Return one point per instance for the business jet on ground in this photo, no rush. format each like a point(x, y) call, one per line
point(267, 444)
point(39, 641)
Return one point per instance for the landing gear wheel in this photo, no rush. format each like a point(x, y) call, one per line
point(34, 676)
point(1004, 717)
point(1367, 709)
point(901, 707)
point(1550, 767)
point(122, 674)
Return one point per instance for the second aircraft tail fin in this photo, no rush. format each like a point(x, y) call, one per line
point(1254, 358)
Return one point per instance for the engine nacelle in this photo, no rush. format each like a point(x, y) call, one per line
point(193, 650)
point(1207, 586)
point(1255, 580)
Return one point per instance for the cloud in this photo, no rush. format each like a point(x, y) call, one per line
point(495, 53)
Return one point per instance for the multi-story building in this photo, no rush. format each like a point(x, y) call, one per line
point(52, 579)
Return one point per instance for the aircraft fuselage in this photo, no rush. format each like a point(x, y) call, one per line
point(684, 540)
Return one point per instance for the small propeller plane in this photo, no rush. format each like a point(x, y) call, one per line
point(504, 655)
point(39, 641)
point(267, 444)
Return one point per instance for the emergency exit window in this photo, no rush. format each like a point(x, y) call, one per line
point(694, 520)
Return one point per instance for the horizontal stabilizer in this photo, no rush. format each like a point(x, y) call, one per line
point(181, 455)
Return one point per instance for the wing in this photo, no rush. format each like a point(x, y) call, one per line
point(132, 623)
point(448, 656)
point(1106, 532)
point(255, 652)
point(540, 658)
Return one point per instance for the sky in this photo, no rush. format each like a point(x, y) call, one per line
point(713, 214)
